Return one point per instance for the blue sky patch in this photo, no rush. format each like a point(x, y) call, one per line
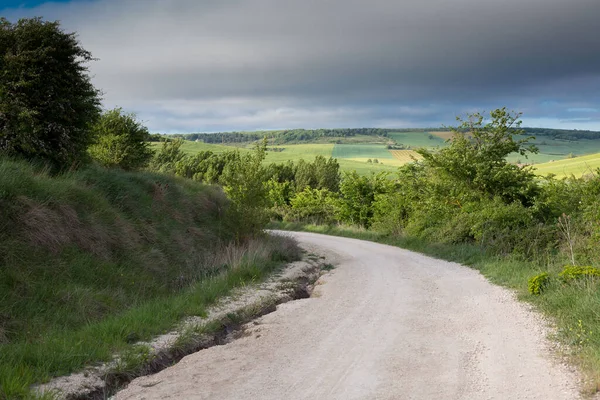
point(26, 3)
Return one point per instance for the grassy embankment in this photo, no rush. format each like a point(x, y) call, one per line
point(573, 307)
point(95, 260)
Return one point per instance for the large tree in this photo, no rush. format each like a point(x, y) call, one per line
point(47, 101)
point(477, 155)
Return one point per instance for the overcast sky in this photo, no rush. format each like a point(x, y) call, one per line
point(214, 65)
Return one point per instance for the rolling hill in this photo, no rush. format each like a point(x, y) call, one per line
point(366, 150)
point(577, 166)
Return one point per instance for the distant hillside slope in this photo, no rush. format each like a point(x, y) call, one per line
point(357, 149)
point(577, 166)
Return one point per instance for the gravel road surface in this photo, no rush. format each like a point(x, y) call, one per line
point(386, 323)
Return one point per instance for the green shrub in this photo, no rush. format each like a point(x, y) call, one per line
point(358, 195)
point(244, 182)
point(390, 212)
point(314, 206)
point(573, 272)
point(167, 157)
point(476, 157)
point(121, 141)
point(320, 174)
point(500, 226)
point(537, 284)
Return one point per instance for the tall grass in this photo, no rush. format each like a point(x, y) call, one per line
point(95, 260)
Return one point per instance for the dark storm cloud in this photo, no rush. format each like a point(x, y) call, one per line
point(269, 63)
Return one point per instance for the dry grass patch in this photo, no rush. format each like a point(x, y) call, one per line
point(405, 156)
point(443, 135)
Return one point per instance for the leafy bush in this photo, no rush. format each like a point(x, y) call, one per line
point(477, 155)
point(357, 197)
point(167, 157)
point(390, 212)
point(313, 205)
point(279, 195)
point(429, 220)
point(244, 183)
point(321, 174)
point(499, 225)
point(572, 272)
point(537, 284)
point(120, 141)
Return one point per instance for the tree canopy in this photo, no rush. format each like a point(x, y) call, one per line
point(120, 141)
point(47, 101)
point(477, 155)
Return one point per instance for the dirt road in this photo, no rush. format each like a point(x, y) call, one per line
point(385, 324)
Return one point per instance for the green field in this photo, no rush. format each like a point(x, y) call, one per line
point(577, 166)
point(354, 152)
point(196, 147)
point(555, 149)
point(348, 161)
point(564, 147)
point(366, 151)
point(364, 168)
point(295, 152)
point(417, 139)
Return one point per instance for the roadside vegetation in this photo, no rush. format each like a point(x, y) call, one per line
point(109, 235)
point(96, 260)
point(467, 203)
point(102, 245)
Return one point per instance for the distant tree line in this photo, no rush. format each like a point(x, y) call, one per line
point(283, 136)
point(563, 134)
point(305, 135)
point(222, 137)
point(302, 135)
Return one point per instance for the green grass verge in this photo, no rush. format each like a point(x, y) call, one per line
point(95, 260)
point(574, 307)
point(61, 352)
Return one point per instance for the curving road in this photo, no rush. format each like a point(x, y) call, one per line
point(385, 324)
